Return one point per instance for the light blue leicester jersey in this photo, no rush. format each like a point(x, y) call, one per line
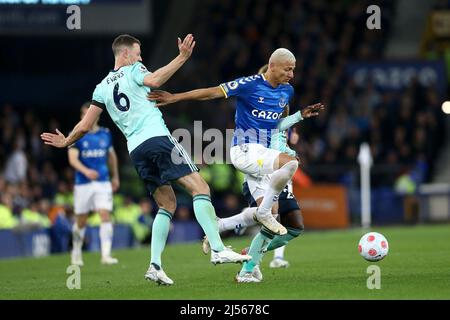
point(93, 153)
point(123, 94)
point(259, 107)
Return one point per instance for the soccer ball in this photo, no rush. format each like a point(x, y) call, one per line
point(373, 246)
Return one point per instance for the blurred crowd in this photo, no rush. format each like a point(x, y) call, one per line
point(404, 129)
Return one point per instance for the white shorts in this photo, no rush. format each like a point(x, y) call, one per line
point(253, 159)
point(258, 185)
point(92, 196)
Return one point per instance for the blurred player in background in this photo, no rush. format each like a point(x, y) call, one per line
point(261, 100)
point(93, 189)
point(152, 148)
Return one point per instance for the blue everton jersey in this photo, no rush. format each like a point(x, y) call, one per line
point(259, 107)
point(94, 148)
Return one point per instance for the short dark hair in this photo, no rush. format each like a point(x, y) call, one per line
point(123, 40)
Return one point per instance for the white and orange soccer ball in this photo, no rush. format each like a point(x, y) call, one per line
point(373, 246)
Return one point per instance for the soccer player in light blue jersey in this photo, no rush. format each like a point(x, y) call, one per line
point(154, 152)
point(93, 188)
point(260, 102)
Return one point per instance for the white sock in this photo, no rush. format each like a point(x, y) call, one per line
point(279, 253)
point(278, 181)
point(77, 237)
point(240, 220)
point(106, 236)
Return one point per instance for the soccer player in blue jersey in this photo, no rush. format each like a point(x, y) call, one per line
point(261, 100)
point(93, 189)
point(288, 208)
point(154, 152)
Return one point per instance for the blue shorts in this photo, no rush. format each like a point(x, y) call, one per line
point(286, 200)
point(160, 160)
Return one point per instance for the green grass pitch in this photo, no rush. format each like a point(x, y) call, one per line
point(324, 265)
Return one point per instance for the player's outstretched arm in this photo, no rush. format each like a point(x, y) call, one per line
point(163, 97)
point(287, 122)
point(160, 76)
point(58, 140)
point(308, 112)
